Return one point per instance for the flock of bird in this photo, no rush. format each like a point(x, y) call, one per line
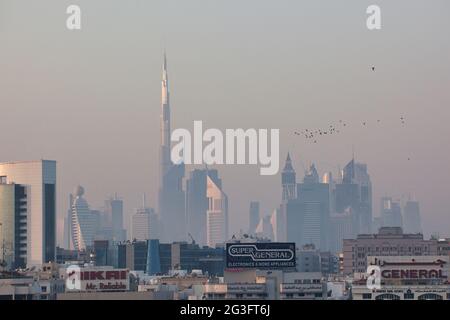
point(314, 135)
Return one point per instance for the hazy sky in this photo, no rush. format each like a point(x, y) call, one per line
point(90, 99)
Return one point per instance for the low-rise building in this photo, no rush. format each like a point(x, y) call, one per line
point(253, 284)
point(390, 241)
point(31, 284)
point(404, 278)
point(303, 286)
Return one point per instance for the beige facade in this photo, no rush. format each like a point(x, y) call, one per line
point(388, 242)
point(404, 278)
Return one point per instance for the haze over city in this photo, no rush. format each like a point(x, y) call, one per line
point(91, 99)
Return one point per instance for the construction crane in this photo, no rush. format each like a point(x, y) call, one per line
point(192, 238)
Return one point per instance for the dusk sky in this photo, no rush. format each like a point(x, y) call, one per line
point(90, 99)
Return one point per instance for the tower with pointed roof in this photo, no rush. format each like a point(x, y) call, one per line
point(288, 180)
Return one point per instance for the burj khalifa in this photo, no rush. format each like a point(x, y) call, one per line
point(171, 193)
point(165, 161)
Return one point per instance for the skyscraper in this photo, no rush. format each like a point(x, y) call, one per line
point(39, 179)
point(254, 217)
point(278, 221)
point(67, 243)
point(288, 180)
point(308, 215)
point(171, 194)
point(114, 209)
point(391, 213)
point(165, 161)
point(84, 222)
point(412, 221)
point(355, 192)
point(197, 202)
point(145, 224)
point(264, 228)
point(341, 227)
point(217, 214)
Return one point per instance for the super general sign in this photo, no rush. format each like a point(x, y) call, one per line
point(271, 255)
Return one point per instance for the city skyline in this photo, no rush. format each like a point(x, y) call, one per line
point(109, 129)
point(224, 158)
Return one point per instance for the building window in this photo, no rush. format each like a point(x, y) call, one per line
point(408, 296)
point(2, 179)
point(430, 296)
point(367, 296)
point(387, 296)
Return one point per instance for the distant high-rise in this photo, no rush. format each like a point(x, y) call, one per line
point(341, 227)
point(355, 192)
point(84, 222)
point(141, 224)
point(264, 228)
point(165, 161)
point(412, 221)
point(105, 229)
point(217, 214)
point(377, 223)
point(39, 180)
point(114, 209)
point(278, 222)
point(308, 215)
point(328, 179)
point(391, 213)
point(254, 217)
point(171, 194)
point(288, 180)
point(145, 224)
point(102, 252)
point(67, 243)
point(197, 202)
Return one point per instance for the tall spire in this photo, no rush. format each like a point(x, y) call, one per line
point(165, 82)
point(171, 195)
point(165, 162)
